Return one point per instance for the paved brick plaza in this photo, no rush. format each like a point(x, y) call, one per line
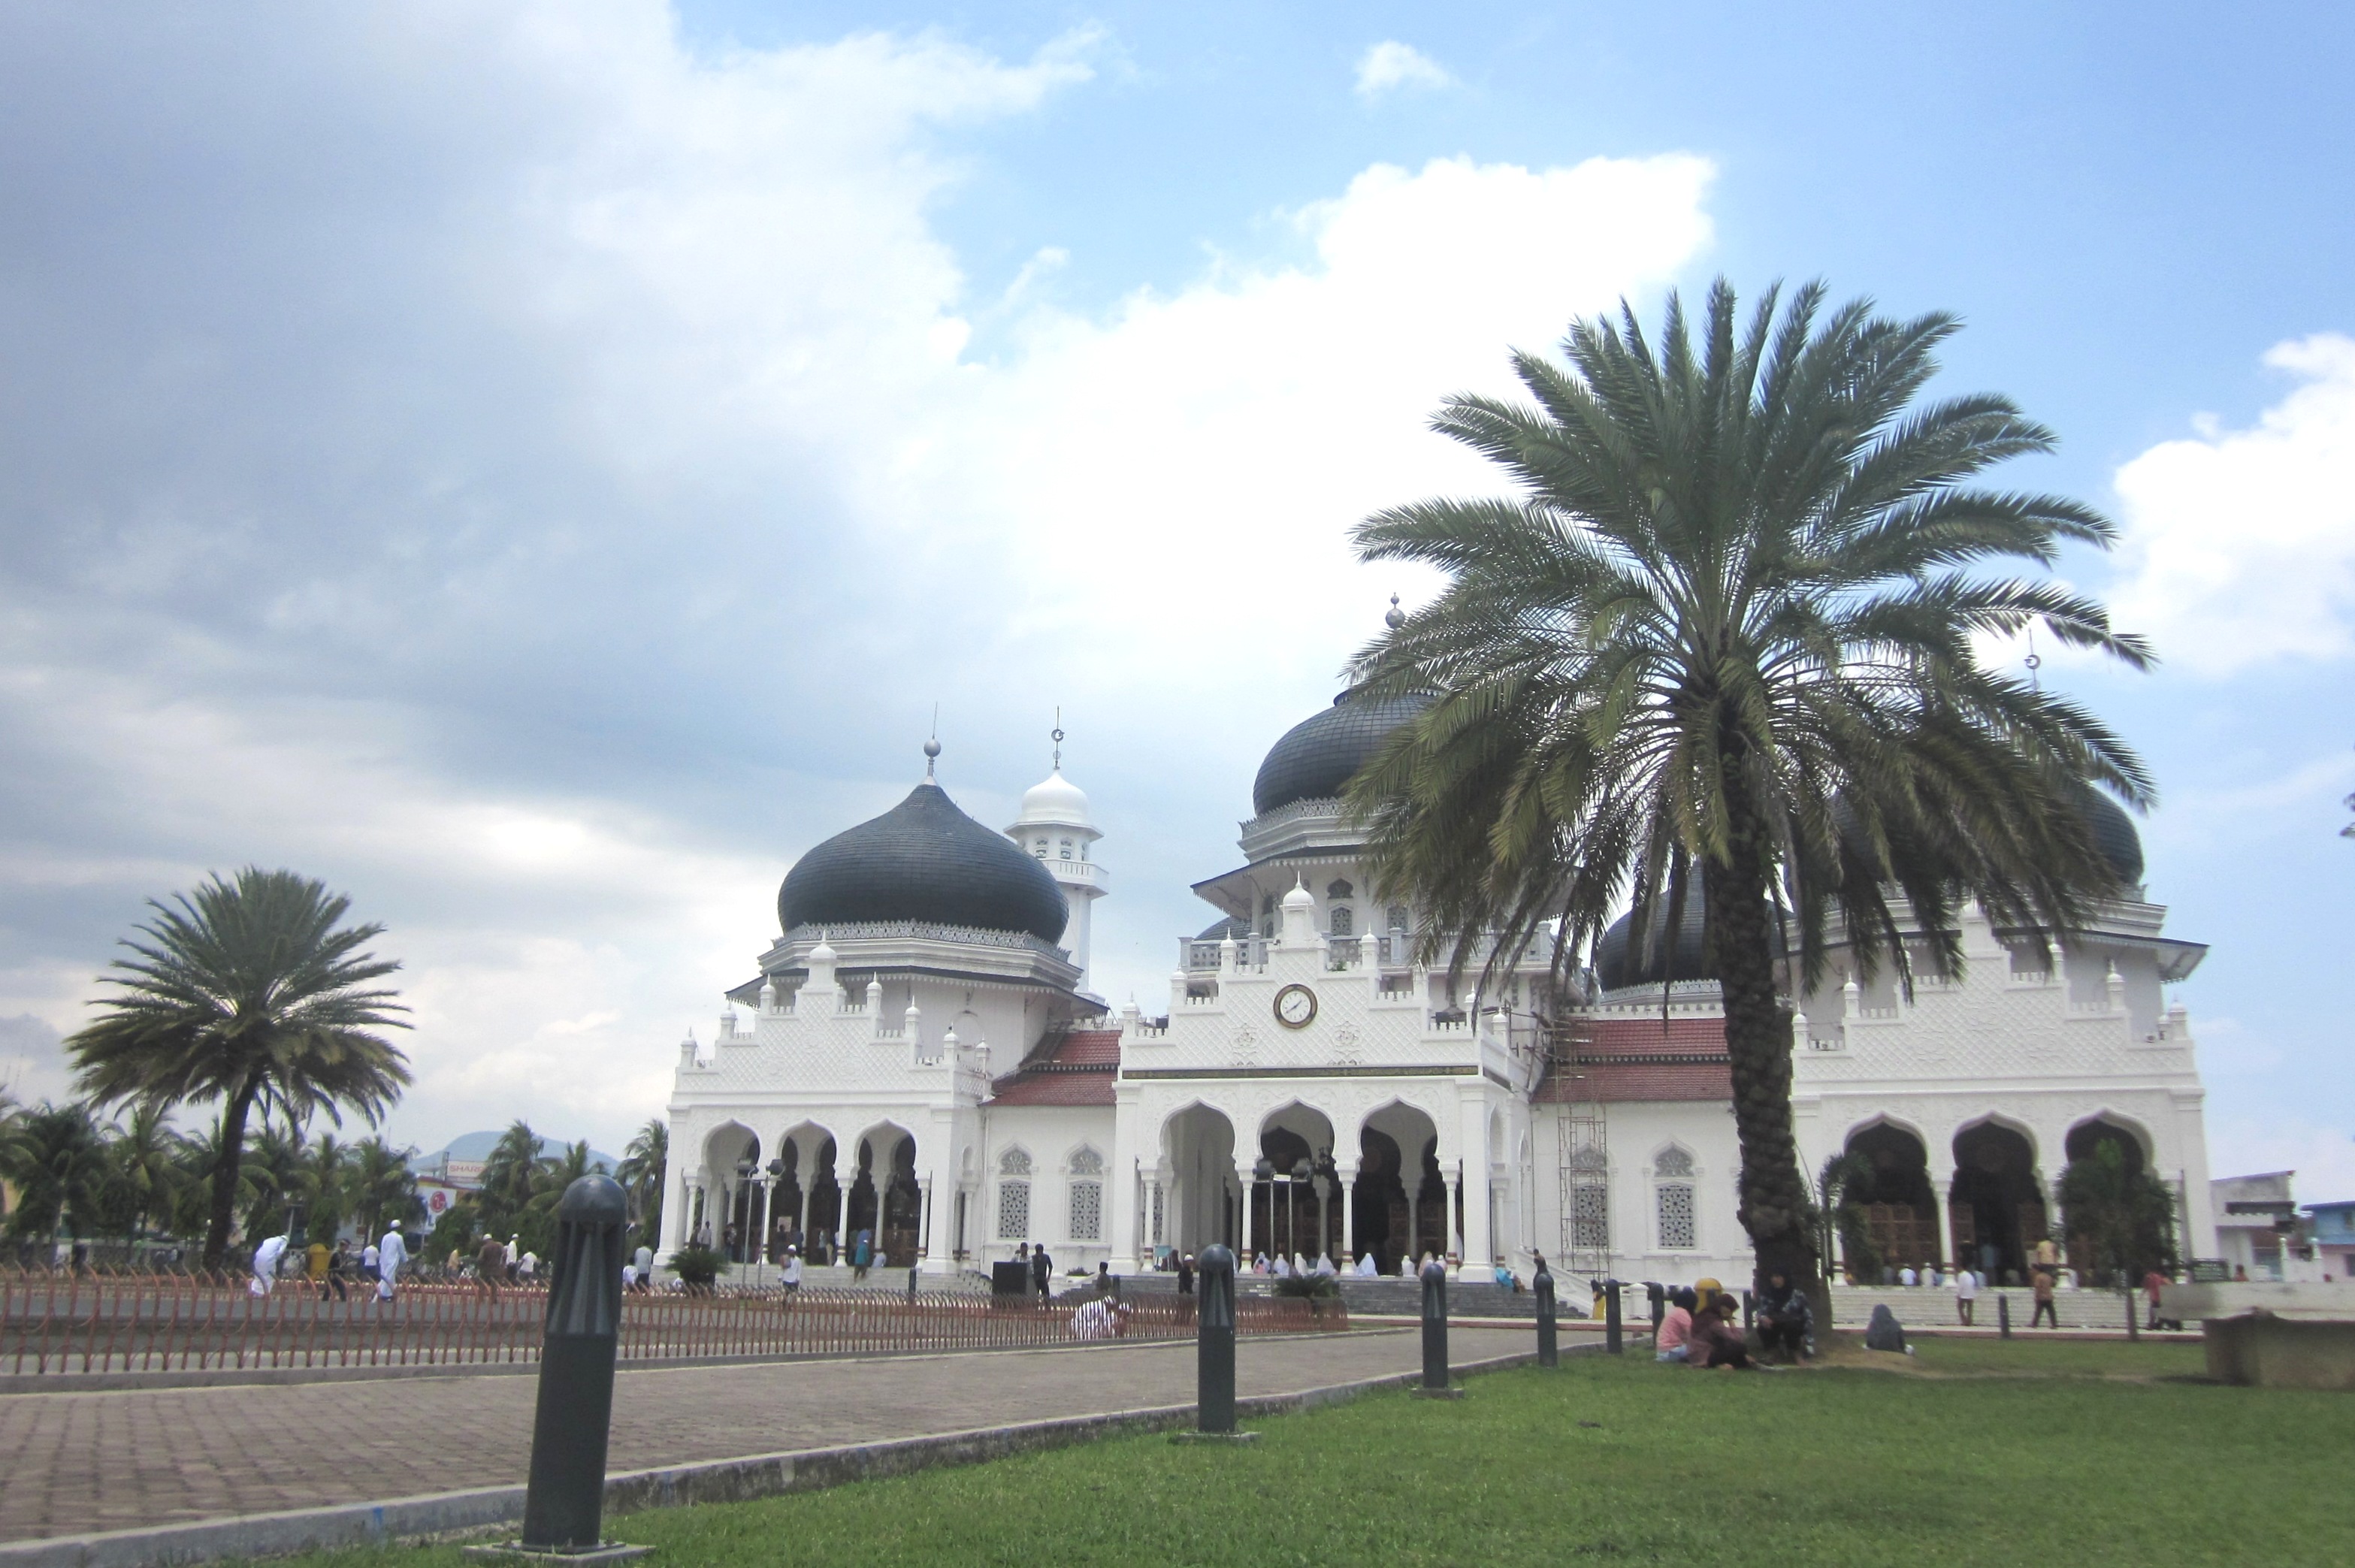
point(115, 1460)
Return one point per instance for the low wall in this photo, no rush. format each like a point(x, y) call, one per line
point(2261, 1349)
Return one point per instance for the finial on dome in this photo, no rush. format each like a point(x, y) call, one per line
point(1396, 617)
point(932, 754)
point(1058, 737)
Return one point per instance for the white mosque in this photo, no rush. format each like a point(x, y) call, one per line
point(921, 1055)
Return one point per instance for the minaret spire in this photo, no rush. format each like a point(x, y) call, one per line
point(1058, 737)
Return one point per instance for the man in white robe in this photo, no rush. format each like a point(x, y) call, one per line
point(391, 1253)
point(265, 1265)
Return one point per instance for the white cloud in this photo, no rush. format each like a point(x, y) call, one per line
point(536, 482)
point(1389, 65)
point(2239, 544)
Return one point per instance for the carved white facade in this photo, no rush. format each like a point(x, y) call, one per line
point(1313, 1089)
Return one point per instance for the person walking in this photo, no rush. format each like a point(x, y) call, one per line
point(2153, 1284)
point(1042, 1271)
point(1966, 1295)
point(513, 1254)
point(490, 1266)
point(862, 1257)
point(644, 1259)
point(793, 1271)
point(391, 1253)
point(2046, 1311)
point(339, 1263)
point(1185, 1274)
point(266, 1258)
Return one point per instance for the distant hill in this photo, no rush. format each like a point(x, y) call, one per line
point(475, 1147)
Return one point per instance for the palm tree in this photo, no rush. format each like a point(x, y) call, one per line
point(324, 1184)
point(55, 1159)
point(275, 1159)
point(1723, 642)
point(145, 1157)
point(556, 1176)
point(510, 1175)
point(383, 1188)
point(248, 992)
point(644, 1174)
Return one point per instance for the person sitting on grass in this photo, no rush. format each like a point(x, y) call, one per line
point(1785, 1318)
point(1717, 1340)
point(1674, 1341)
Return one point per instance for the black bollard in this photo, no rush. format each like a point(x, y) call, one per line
point(1214, 1352)
point(2003, 1315)
point(1658, 1297)
point(1549, 1346)
point(1611, 1317)
point(1434, 1333)
point(564, 1504)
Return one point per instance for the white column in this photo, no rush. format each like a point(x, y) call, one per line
point(1347, 1175)
point(1250, 1216)
point(1450, 1241)
point(1944, 1187)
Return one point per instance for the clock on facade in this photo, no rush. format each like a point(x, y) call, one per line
point(1295, 1007)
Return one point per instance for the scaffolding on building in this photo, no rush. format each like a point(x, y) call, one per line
point(1583, 1155)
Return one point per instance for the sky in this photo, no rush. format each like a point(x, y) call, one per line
point(537, 467)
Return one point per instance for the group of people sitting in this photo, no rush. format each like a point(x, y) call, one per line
point(1282, 1268)
point(1702, 1327)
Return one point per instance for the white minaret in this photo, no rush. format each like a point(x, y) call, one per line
point(1054, 826)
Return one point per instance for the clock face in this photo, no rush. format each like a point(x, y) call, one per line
point(1295, 1007)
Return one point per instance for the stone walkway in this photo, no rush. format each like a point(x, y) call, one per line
point(80, 1462)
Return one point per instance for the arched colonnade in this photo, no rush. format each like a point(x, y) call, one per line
point(807, 1189)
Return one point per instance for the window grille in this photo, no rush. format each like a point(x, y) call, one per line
point(1013, 1211)
point(1344, 922)
point(1590, 1218)
point(1676, 1204)
point(1087, 1210)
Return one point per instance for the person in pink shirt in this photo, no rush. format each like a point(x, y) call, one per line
point(1674, 1341)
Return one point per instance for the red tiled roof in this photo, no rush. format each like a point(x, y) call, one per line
point(1054, 1089)
point(1078, 1068)
point(1677, 1037)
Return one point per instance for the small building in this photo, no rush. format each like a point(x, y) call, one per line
point(2255, 1216)
point(2332, 1228)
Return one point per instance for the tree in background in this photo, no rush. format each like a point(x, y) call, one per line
point(326, 1186)
point(1723, 645)
point(2126, 1216)
point(510, 1177)
point(1842, 1188)
point(249, 992)
point(55, 1159)
point(645, 1175)
point(145, 1170)
point(383, 1188)
point(276, 1160)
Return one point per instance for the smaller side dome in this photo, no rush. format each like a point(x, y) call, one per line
point(1664, 961)
point(1300, 897)
point(1055, 800)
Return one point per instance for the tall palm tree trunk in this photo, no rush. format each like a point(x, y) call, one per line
point(230, 1155)
point(1773, 1205)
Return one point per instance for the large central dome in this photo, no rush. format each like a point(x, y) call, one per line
point(1319, 756)
point(922, 860)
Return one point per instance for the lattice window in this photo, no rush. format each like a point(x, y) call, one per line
point(1013, 1211)
point(1673, 1162)
point(1087, 1210)
point(1590, 1218)
point(1159, 1210)
point(1344, 924)
point(1675, 1199)
point(1398, 917)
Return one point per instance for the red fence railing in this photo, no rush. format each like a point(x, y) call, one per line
point(67, 1323)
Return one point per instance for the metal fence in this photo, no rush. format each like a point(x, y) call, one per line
point(69, 1323)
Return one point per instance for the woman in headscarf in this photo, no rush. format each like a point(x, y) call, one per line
point(862, 1255)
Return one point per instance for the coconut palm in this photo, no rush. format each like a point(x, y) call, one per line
point(383, 1187)
point(250, 992)
point(511, 1175)
point(56, 1159)
point(275, 1159)
point(145, 1161)
point(644, 1174)
point(1723, 642)
point(324, 1184)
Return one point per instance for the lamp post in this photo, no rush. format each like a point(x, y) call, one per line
point(564, 1502)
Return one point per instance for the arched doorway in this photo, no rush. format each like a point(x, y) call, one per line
point(1401, 1198)
point(1998, 1205)
point(1199, 1146)
point(824, 1204)
point(732, 1155)
point(1900, 1210)
point(1291, 1198)
point(884, 1197)
point(2085, 1144)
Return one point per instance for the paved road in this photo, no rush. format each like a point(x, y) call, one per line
point(78, 1462)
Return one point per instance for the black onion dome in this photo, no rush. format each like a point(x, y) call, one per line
point(922, 860)
point(1663, 961)
point(2115, 836)
point(1226, 930)
point(1319, 756)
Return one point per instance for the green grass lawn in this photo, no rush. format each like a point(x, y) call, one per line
point(1976, 1452)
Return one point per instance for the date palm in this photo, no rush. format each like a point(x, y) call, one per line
point(145, 1157)
point(644, 1174)
point(382, 1185)
point(248, 992)
point(1723, 645)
